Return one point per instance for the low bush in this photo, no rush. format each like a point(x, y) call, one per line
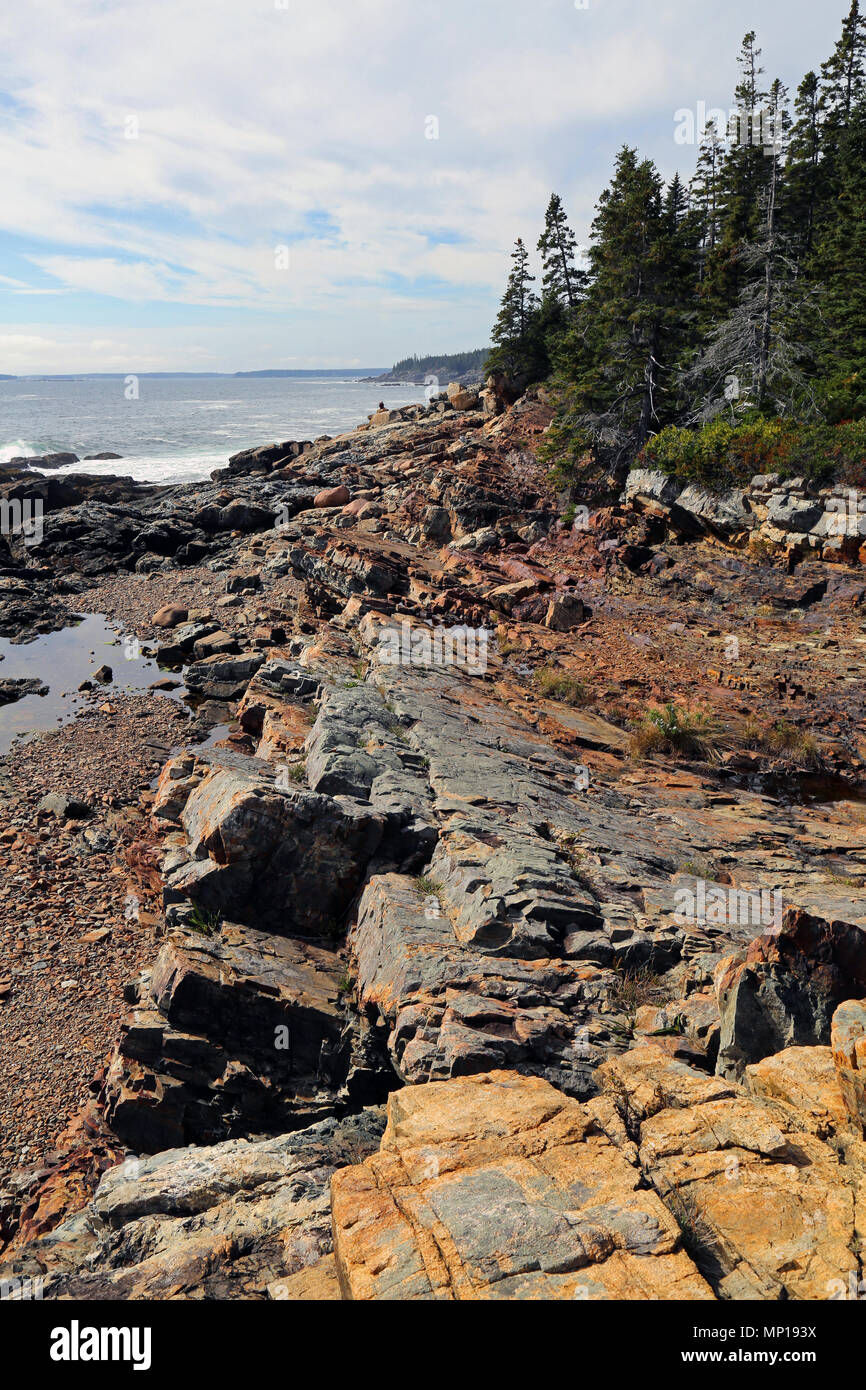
point(723, 455)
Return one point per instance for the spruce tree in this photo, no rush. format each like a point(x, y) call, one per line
point(562, 282)
point(842, 257)
point(705, 190)
point(616, 363)
point(842, 76)
point(743, 178)
point(518, 350)
point(755, 358)
point(804, 198)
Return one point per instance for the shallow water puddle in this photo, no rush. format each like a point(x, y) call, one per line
point(62, 660)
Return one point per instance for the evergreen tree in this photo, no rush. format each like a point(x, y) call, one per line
point(842, 76)
point(755, 357)
point(518, 348)
point(616, 363)
point(562, 282)
point(842, 257)
point(804, 196)
point(705, 191)
point(742, 180)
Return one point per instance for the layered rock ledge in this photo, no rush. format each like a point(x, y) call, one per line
point(461, 986)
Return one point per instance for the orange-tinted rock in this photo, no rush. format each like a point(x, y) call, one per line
point(332, 497)
point(499, 1187)
point(848, 1041)
point(170, 615)
point(769, 1206)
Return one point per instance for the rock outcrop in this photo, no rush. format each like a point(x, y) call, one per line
point(471, 852)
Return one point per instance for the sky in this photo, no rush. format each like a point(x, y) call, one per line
point(222, 185)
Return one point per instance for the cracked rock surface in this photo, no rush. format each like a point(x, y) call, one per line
point(454, 988)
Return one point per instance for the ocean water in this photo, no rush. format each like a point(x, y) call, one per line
point(180, 429)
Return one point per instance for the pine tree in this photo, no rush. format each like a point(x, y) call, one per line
point(804, 196)
point(518, 350)
point(616, 363)
point(705, 190)
point(562, 282)
point(842, 257)
point(742, 180)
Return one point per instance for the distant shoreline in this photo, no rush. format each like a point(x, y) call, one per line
point(354, 373)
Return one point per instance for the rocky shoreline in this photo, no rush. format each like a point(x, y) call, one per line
point(504, 940)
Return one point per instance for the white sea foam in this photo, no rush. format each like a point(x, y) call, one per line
point(21, 448)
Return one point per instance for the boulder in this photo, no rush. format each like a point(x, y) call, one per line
point(848, 1041)
point(332, 497)
point(63, 806)
point(651, 485)
point(222, 676)
point(243, 583)
point(170, 615)
point(798, 514)
point(499, 1187)
point(462, 399)
point(45, 461)
point(564, 612)
point(784, 989)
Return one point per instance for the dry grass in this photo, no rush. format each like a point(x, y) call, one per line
point(553, 684)
point(783, 739)
point(634, 988)
point(689, 733)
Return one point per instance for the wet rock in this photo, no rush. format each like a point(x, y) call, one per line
point(16, 687)
point(221, 677)
point(61, 460)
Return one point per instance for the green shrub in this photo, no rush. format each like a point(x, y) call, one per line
point(723, 455)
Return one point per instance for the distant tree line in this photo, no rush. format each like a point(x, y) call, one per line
point(455, 362)
point(739, 298)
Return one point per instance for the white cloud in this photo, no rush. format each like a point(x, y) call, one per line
point(305, 126)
